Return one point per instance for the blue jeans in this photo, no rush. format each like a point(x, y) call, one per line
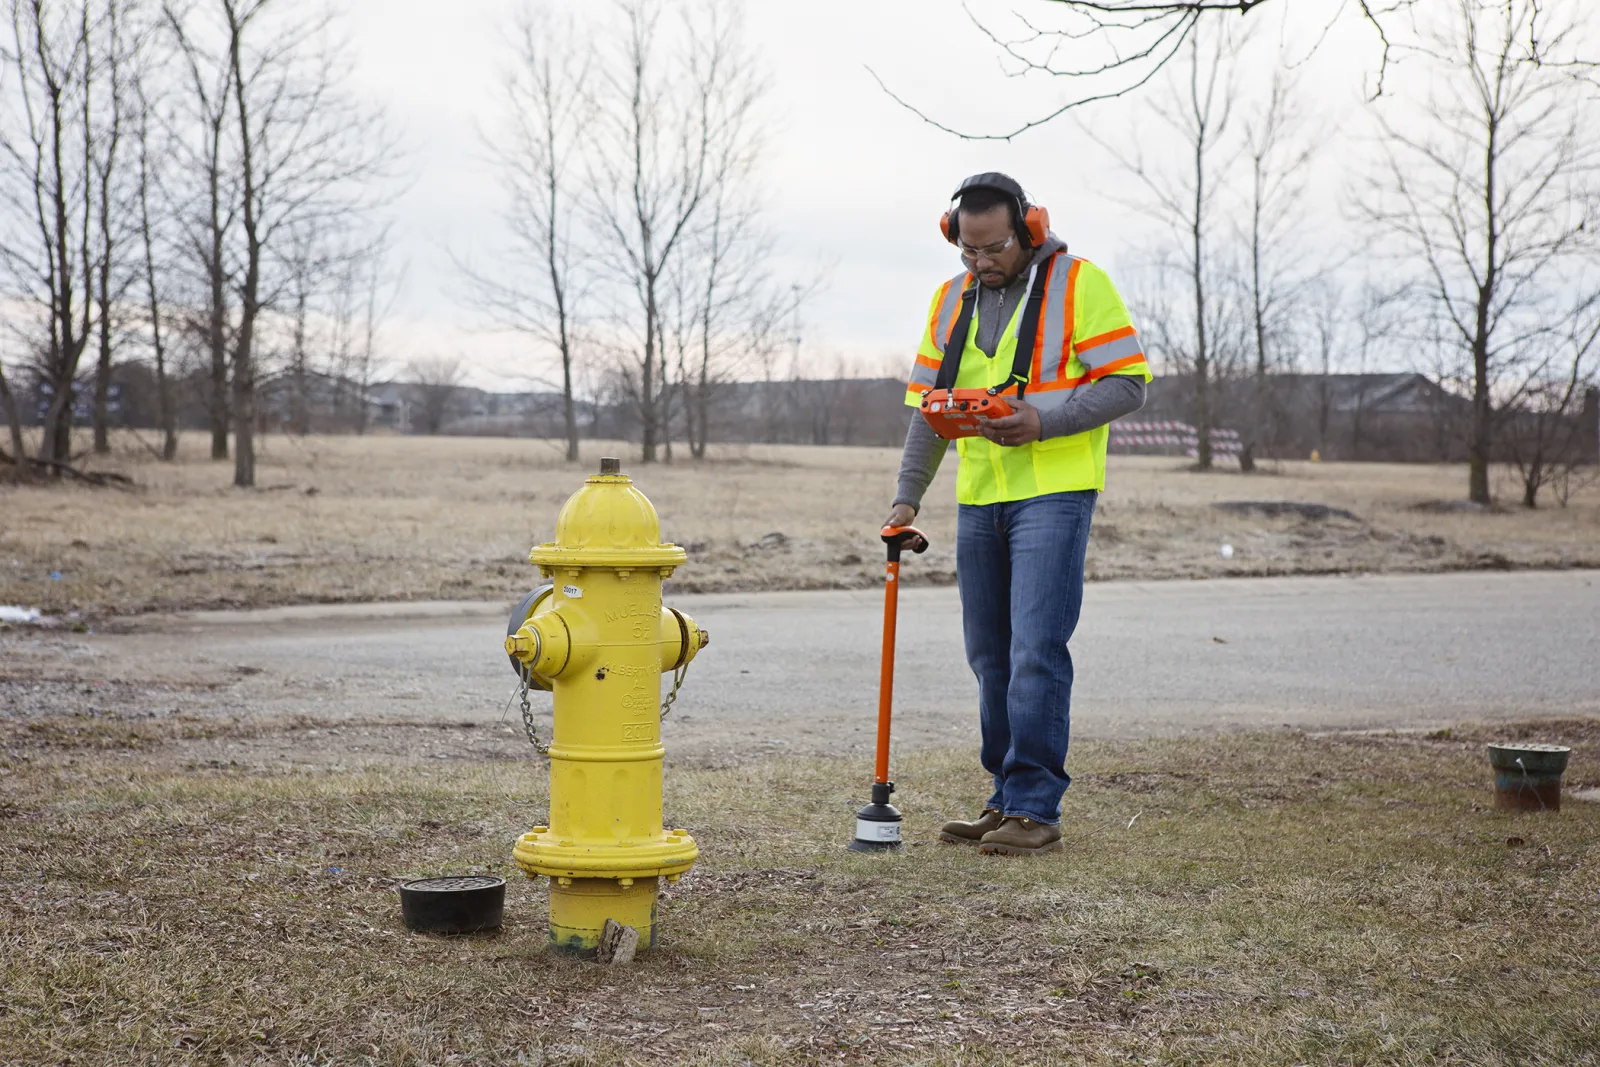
point(1019, 567)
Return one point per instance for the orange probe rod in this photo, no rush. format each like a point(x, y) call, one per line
point(891, 604)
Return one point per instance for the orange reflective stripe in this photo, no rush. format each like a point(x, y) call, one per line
point(924, 361)
point(1056, 385)
point(933, 321)
point(945, 305)
point(1115, 365)
point(1095, 375)
point(1106, 338)
point(1036, 367)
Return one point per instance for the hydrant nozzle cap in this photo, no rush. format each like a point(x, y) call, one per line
point(610, 466)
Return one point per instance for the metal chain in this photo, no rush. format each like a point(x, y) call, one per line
point(677, 683)
point(527, 716)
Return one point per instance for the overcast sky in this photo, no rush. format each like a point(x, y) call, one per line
point(855, 183)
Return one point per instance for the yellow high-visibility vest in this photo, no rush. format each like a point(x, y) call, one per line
point(1084, 333)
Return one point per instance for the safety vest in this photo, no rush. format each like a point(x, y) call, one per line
point(1080, 331)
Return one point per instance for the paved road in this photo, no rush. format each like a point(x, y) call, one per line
point(798, 671)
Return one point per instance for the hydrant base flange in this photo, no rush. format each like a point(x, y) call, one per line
point(539, 852)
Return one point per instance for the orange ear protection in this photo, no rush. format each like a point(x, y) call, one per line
point(1031, 222)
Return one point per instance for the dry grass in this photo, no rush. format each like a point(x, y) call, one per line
point(1336, 900)
point(386, 518)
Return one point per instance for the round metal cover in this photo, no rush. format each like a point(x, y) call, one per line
point(458, 904)
point(454, 883)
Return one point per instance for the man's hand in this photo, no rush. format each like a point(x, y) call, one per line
point(1020, 428)
point(900, 515)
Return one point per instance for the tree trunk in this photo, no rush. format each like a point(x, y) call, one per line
point(8, 408)
point(165, 412)
point(108, 244)
point(166, 409)
point(244, 371)
point(668, 391)
point(300, 415)
point(56, 440)
point(244, 412)
point(1478, 440)
point(216, 332)
point(1532, 482)
point(216, 340)
point(569, 412)
point(1202, 391)
point(698, 414)
point(647, 396)
point(102, 383)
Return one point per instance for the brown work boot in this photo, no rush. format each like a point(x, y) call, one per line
point(970, 833)
point(1020, 836)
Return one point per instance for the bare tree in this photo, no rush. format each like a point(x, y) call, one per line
point(1569, 477)
point(285, 147)
point(438, 380)
point(166, 409)
point(1197, 111)
point(1277, 167)
point(362, 290)
point(1543, 431)
point(1104, 49)
point(13, 417)
point(308, 268)
point(378, 295)
point(727, 311)
point(1378, 320)
point(1495, 191)
point(203, 144)
point(536, 288)
point(111, 275)
point(1328, 318)
point(256, 95)
point(48, 200)
point(673, 123)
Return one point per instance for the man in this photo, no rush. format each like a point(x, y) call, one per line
point(1027, 486)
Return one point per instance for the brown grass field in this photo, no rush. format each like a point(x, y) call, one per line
point(409, 518)
point(1284, 898)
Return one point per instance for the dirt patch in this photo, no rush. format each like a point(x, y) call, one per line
point(1279, 508)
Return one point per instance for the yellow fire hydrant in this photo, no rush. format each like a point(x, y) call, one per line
point(600, 640)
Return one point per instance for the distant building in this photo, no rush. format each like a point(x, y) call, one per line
point(1405, 417)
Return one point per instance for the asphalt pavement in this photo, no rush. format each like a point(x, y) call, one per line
point(798, 672)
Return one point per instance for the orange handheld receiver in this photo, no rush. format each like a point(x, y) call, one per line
point(955, 413)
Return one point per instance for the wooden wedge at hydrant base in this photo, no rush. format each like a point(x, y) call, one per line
point(599, 639)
